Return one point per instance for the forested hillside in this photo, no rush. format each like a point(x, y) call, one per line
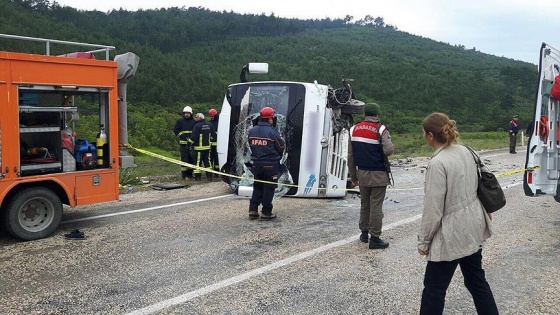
point(190, 55)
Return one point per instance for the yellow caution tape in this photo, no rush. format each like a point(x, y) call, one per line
point(175, 161)
point(513, 172)
point(178, 162)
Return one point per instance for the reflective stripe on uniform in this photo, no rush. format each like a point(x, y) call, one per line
point(183, 132)
point(382, 129)
point(202, 148)
point(365, 140)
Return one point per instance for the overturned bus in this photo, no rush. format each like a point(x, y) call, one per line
point(313, 119)
point(542, 167)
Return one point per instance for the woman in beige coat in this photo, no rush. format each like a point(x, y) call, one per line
point(454, 223)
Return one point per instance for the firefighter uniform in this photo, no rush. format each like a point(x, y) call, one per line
point(267, 147)
point(183, 130)
point(202, 136)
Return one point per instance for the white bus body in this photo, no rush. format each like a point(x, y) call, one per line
point(314, 127)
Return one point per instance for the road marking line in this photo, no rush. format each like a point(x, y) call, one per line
point(181, 299)
point(256, 272)
point(145, 209)
point(512, 185)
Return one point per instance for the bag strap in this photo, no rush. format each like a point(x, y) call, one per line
point(476, 160)
point(476, 157)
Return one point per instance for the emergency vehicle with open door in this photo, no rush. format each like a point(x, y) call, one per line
point(314, 120)
point(543, 148)
point(46, 160)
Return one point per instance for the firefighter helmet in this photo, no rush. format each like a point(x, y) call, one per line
point(212, 112)
point(187, 109)
point(267, 112)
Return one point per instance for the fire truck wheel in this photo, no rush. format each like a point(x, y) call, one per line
point(33, 213)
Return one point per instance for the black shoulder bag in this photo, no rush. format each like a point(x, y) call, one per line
point(489, 191)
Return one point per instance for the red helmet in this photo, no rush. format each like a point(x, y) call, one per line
point(212, 112)
point(267, 112)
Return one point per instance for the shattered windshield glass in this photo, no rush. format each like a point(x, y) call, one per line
point(254, 99)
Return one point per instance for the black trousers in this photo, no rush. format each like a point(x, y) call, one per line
point(263, 193)
point(438, 276)
point(214, 158)
point(187, 157)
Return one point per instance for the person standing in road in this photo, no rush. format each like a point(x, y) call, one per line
point(454, 223)
point(202, 136)
point(183, 130)
point(370, 144)
point(513, 129)
point(267, 147)
point(214, 119)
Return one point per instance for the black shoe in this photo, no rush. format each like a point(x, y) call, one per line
point(364, 237)
point(253, 215)
point(76, 235)
point(377, 243)
point(268, 217)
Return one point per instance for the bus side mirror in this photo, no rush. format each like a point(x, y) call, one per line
point(258, 67)
point(253, 68)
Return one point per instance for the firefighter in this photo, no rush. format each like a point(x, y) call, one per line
point(267, 147)
point(214, 117)
point(202, 136)
point(183, 130)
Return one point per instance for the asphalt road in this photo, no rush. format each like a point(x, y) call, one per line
point(194, 251)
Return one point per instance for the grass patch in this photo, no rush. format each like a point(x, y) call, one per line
point(148, 166)
point(413, 145)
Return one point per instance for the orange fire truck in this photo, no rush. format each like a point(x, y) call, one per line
point(45, 160)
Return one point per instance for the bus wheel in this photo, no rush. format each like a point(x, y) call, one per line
point(33, 213)
point(353, 107)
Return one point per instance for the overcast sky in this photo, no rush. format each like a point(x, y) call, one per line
point(509, 28)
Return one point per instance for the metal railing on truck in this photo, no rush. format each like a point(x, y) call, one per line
point(48, 42)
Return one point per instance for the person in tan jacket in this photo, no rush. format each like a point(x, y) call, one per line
point(454, 223)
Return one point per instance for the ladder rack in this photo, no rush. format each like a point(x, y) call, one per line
point(48, 42)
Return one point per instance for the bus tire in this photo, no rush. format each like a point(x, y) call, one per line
point(33, 213)
point(353, 107)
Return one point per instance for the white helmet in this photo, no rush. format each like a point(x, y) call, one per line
point(187, 109)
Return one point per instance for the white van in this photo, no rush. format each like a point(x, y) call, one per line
point(543, 154)
point(313, 119)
